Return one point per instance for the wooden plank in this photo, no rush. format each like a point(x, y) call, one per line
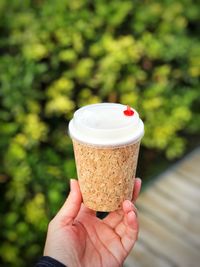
point(179, 197)
point(174, 212)
point(184, 187)
point(191, 167)
point(131, 262)
point(169, 214)
point(167, 204)
point(143, 257)
point(193, 157)
point(189, 175)
point(163, 216)
point(165, 243)
point(183, 212)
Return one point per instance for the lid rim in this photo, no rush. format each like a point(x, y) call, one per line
point(108, 143)
point(110, 134)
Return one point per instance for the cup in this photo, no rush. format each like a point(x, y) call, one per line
point(106, 140)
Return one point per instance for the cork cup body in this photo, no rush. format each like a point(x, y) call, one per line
point(106, 174)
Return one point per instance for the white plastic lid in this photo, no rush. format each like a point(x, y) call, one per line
point(106, 124)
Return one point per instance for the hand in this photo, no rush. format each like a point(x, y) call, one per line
point(77, 238)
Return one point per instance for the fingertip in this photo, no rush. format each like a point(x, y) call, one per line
point(138, 181)
point(127, 206)
point(131, 218)
point(72, 182)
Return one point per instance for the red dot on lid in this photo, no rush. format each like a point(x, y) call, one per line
point(128, 111)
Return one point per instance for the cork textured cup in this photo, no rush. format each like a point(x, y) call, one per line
point(106, 175)
point(106, 139)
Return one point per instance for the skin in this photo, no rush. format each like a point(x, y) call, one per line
point(77, 238)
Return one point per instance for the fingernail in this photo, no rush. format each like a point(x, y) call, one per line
point(130, 204)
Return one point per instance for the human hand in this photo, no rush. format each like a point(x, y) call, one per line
point(77, 238)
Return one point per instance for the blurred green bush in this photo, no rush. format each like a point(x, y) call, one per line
point(59, 55)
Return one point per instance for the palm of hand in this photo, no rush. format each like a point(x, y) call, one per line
point(78, 238)
point(100, 243)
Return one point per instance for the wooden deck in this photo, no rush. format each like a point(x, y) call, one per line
point(169, 215)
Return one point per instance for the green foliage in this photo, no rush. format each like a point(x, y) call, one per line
point(59, 55)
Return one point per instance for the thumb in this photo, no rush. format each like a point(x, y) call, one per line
point(72, 205)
